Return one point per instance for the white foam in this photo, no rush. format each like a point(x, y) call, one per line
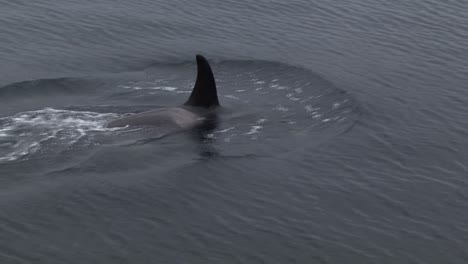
point(298, 90)
point(25, 133)
point(164, 88)
point(311, 109)
point(291, 96)
point(281, 108)
point(226, 130)
point(161, 88)
point(278, 87)
point(231, 97)
point(254, 130)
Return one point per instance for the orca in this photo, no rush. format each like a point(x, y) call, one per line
point(199, 110)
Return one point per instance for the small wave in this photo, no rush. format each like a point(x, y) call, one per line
point(26, 133)
point(69, 86)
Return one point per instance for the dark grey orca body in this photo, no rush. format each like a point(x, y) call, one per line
point(200, 106)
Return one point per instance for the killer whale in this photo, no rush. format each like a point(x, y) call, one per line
point(198, 110)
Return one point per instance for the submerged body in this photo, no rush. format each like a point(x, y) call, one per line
point(179, 117)
point(199, 107)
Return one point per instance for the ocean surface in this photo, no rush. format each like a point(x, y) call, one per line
point(343, 136)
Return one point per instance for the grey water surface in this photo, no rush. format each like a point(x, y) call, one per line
point(343, 136)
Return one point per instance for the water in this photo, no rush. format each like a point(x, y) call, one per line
point(342, 136)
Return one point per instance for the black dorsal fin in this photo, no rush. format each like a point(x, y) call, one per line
point(204, 92)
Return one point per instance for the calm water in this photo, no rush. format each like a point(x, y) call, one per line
point(343, 134)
